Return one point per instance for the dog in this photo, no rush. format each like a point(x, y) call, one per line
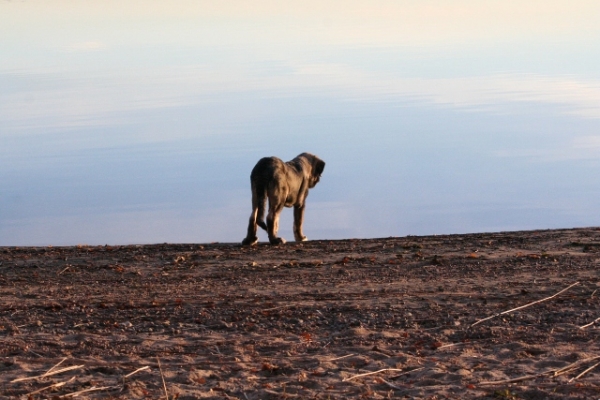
point(285, 184)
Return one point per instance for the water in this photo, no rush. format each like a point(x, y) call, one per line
point(139, 121)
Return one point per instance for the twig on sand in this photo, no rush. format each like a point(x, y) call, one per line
point(382, 370)
point(34, 353)
point(60, 362)
point(136, 371)
point(584, 372)
point(276, 308)
point(590, 324)
point(342, 357)
point(555, 372)
point(92, 389)
point(54, 385)
point(574, 365)
point(279, 395)
point(524, 306)
point(371, 373)
point(48, 373)
point(163, 378)
point(406, 372)
point(519, 379)
point(452, 345)
point(391, 384)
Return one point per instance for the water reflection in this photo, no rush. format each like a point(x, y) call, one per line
point(130, 124)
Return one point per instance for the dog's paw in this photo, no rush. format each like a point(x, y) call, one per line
point(277, 240)
point(250, 241)
point(301, 238)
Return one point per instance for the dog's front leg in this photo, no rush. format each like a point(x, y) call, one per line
point(298, 220)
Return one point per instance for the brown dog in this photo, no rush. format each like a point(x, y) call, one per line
point(285, 184)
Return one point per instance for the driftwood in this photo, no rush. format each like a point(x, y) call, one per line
point(48, 373)
point(92, 389)
point(574, 365)
point(342, 357)
point(590, 324)
point(519, 379)
point(555, 372)
point(382, 370)
point(371, 373)
point(391, 385)
point(55, 385)
point(524, 306)
point(584, 372)
point(136, 371)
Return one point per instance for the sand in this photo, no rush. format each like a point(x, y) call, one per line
point(376, 318)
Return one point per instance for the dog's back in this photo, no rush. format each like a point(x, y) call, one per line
point(265, 170)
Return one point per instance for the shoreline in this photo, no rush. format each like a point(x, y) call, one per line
point(265, 241)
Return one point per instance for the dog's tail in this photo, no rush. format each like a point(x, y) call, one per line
point(259, 202)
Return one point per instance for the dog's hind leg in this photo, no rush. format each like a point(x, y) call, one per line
point(251, 238)
point(261, 204)
point(273, 226)
point(275, 207)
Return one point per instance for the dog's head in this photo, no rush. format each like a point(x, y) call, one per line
point(316, 167)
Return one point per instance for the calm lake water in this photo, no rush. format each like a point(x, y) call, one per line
point(139, 121)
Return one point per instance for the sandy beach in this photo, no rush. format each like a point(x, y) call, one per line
point(400, 317)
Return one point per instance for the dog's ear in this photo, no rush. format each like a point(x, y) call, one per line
point(319, 166)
